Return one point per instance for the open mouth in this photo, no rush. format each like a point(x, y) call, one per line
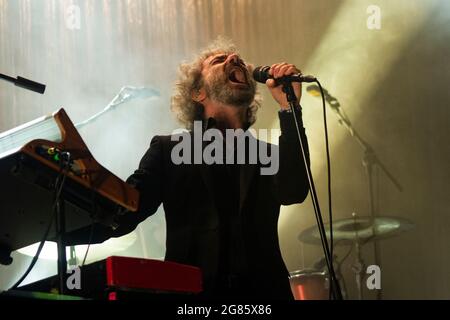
point(237, 76)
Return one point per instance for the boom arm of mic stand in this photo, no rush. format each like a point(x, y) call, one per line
point(122, 97)
point(98, 114)
point(112, 104)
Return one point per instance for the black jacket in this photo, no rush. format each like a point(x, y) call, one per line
point(185, 191)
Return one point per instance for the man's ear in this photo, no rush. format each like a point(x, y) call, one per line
point(199, 95)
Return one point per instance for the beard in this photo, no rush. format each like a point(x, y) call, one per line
point(219, 88)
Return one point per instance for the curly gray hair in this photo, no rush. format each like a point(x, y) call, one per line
point(190, 80)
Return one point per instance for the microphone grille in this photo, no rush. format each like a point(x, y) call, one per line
point(261, 74)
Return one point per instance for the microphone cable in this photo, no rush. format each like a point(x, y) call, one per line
point(334, 282)
point(330, 208)
point(334, 285)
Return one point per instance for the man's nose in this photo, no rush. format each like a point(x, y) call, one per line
point(233, 58)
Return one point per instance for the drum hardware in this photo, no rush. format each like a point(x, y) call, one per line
point(313, 284)
point(320, 266)
point(369, 161)
point(357, 231)
point(360, 229)
point(309, 284)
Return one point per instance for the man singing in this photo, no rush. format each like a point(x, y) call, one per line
point(223, 217)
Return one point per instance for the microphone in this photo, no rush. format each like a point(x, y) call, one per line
point(30, 85)
point(25, 83)
point(314, 90)
point(261, 74)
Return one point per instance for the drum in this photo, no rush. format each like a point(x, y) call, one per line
point(309, 284)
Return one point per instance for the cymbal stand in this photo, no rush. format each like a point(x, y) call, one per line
point(369, 160)
point(358, 266)
point(341, 280)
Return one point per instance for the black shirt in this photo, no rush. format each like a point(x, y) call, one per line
point(226, 181)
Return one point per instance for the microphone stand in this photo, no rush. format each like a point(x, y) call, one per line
point(120, 98)
point(61, 244)
point(369, 160)
point(125, 94)
point(293, 104)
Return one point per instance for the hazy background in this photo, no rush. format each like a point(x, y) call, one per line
point(392, 83)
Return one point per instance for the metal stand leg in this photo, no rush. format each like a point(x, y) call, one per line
point(368, 164)
point(358, 268)
point(62, 259)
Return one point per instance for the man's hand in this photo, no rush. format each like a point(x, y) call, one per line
point(279, 70)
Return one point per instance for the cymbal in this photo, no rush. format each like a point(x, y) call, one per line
point(358, 229)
